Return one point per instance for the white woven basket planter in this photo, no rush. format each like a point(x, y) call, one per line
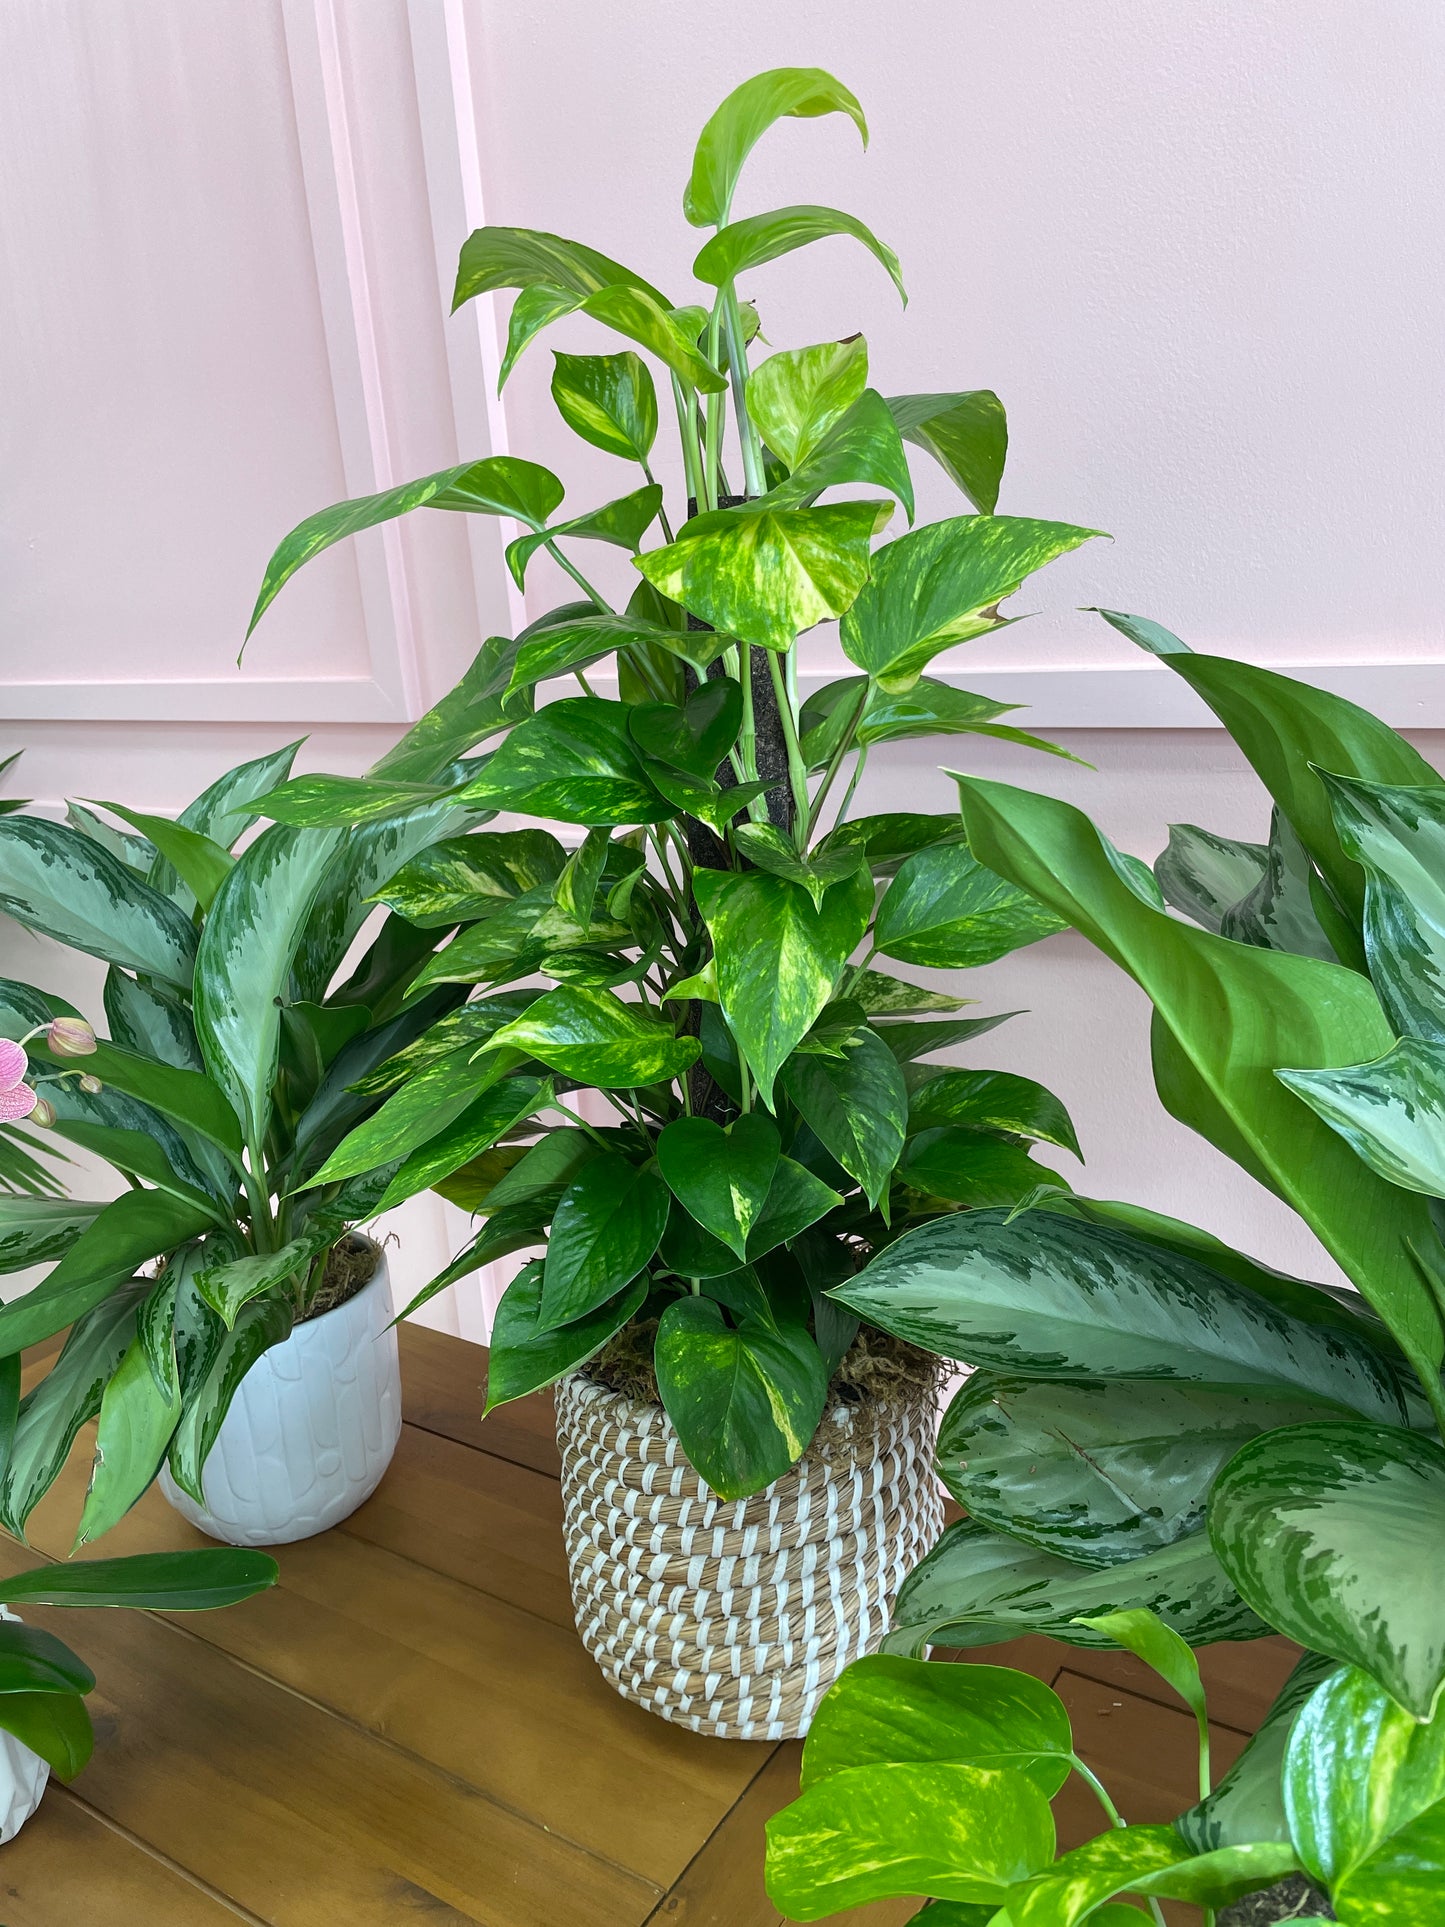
point(734, 1617)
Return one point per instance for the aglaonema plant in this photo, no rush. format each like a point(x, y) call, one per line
point(699, 945)
point(238, 1038)
point(1160, 1424)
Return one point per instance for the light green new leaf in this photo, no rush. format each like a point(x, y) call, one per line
point(64, 885)
point(941, 585)
point(578, 644)
point(967, 434)
point(607, 1225)
point(621, 523)
point(795, 397)
point(1391, 1112)
point(758, 238)
point(200, 863)
point(1397, 836)
point(244, 961)
point(499, 485)
point(595, 1037)
point(862, 447)
point(767, 848)
point(1045, 1296)
point(767, 574)
point(961, 1832)
point(1152, 636)
point(35, 1231)
point(519, 257)
point(524, 1355)
point(535, 308)
point(734, 129)
point(1144, 1634)
point(1332, 1530)
point(889, 1711)
point(1099, 1471)
point(722, 1177)
point(745, 1400)
point(778, 957)
point(856, 1105)
point(1227, 1017)
point(1205, 875)
point(575, 763)
point(946, 910)
point(978, 1588)
point(993, 1101)
point(609, 400)
point(1357, 1773)
point(645, 319)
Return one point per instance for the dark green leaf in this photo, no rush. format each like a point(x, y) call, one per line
point(575, 763)
point(134, 1152)
point(967, 434)
point(857, 1104)
point(512, 1229)
point(696, 737)
point(993, 1101)
point(35, 1231)
point(525, 1355)
point(148, 1023)
point(606, 1227)
point(722, 1177)
point(161, 1582)
point(54, 1725)
point(1147, 1860)
point(968, 1168)
point(260, 1324)
point(34, 1661)
point(485, 1120)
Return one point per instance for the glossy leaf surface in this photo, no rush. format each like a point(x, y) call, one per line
point(759, 238)
point(733, 130)
point(596, 1037)
point(64, 885)
point(721, 1176)
point(609, 400)
point(607, 1225)
point(966, 434)
point(945, 910)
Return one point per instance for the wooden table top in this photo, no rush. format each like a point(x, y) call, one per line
point(406, 1729)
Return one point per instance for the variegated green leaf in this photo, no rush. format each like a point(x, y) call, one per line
point(36, 1231)
point(64, 885)
point(609, 400)
point(597, 1038)
point(966, 434)
point(759, 238)
point(1278, 913)
point(734, 129)
point(1397, 836)
point(1204, 875)
point(1391, 1112)
point(519, 257)
point(796, 396)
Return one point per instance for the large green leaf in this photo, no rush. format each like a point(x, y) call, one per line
point(139, 1412)
point(64, 885)
point(1228, 1016)
point(1397, 836)
point(796, 396)
point(1144, 1860)
point(595, 1037)
point(1290, 732)
point(568, 646)
point(889, 1711)
point(969, 1168)
point(767, 574)
point(423, 1106)
point(856, 1104)
point(160, 1582)
point(464, 877)
point(607, 1225)
point(758, 238)
point(621, 523)
point(525, 1355)
point(343, 802)
point(54, 1725)
point(1331, 1530)
point(486, 1119)
point(967, 434)
point(518, 257)
point(188, 1097)
point(733, 129)
point(978, 1588)
point(946, 910)
point(574, 762)
point(874, 1832)
point(1359, 1771)
point(1100, 1471)
point(244, 961)
point(1391, 1112)
point(225, 808)
point(1043, 1296)
point(34, 1661)
point(33, 1231)
point(722, 1177)
point(500, 485)
point(135, 1227)
point(766, 847)
point(149, 1023)
point(200, 863)
point(862, 447)
point(795, 1200)
point(778, 957)
point(139, 1155)
point(696, 736)
point(1205, 875)
point(609, 400)
point(745, 1400)
point(941, 586)
point(993, 1101)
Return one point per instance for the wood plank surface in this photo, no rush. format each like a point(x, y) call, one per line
point(407, 1725)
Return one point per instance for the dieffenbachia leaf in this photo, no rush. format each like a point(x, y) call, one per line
point(778, 957)
point(36, 1231)
point(244, 960)
point(66, 886)
point(978, 1588)
point(1332, 1529)
point(1397, 836)
point(1044, 1296)
point(758, 238)
point(262, 1322)
point(499, 485)
point(1278, 913)
point(1099, 1471)
point(139, 1412)
point(767, 574)
point(942, 585)
point(734, 129)
point(796, 396)
point(609, 400)
point(1228, 1015)
point(967, 434)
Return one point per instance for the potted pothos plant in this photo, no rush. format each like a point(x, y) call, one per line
point(701, 948)
point(44, 1724)
point(1166, 1441)
point(238, 1036)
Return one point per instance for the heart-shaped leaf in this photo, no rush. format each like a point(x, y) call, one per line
point(604, 1230)
point(945, 910)
point(621, 523)
point(1332, 1530)
point(696, 737)
point(758, 238)
point(524, 1355)
point(575, 763)
point(595, 1037)
point(766, 848)
point(722, 1177)
point(856, 1104)
point(609, 400)
point(733, 130)
point(795, 397)
point(966, 434)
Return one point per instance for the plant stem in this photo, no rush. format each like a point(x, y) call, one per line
point(661, 507)
point(784, 688)
point(577, 576)
point(852, 786)
point(754, 480)
point(1099, 1790)
point(712, 439)
point(835, 762)
point(590, 1129)
point(687, 434)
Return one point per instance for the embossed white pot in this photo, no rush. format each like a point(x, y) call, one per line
point(310, 1431)
point(23, 1776)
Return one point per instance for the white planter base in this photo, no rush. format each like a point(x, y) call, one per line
point(23, 1776)
point(309, 1433)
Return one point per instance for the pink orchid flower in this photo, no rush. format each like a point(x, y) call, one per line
point(17, 1098)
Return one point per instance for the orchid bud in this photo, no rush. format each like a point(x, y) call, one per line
point(42, 1113)
point(92, 1086)
point(70, 1037)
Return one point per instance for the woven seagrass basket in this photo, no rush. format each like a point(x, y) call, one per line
point(734, 1617)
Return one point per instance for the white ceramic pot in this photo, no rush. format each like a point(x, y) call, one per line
point(23, 1776)
point(310, 1431)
